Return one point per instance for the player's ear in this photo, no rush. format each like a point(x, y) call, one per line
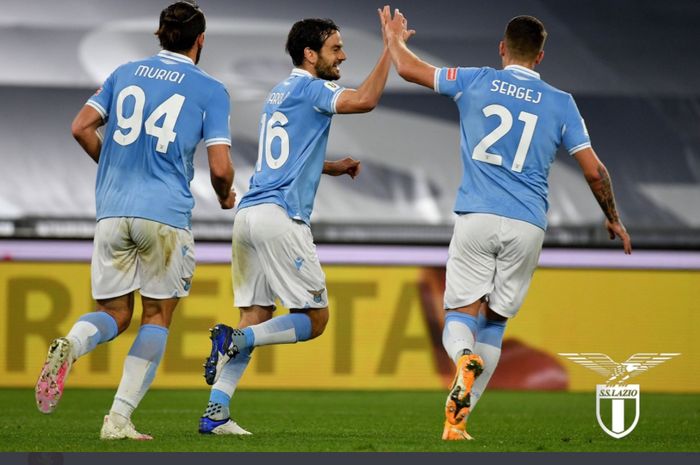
point(310, 55)
point(502, 48)
point(200, 40)
point(540, 57)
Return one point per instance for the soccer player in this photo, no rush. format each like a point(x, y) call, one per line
point(512, 124)
point(273, 251)
point(156, 111)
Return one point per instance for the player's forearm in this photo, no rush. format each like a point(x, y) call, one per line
point(329, 167)
point(84, 130)
point(405, 61)
point(222, 182)
point(90, 140)
point(370, 91)
point(601, 186)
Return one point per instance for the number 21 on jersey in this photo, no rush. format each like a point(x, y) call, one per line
point(269, 131)
point(480, 151)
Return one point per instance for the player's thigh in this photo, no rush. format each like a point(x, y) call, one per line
point(471, 262)
point(166, 259)
point(288, 256)
point(114, 259)
point(250, 286)
point(515, 265)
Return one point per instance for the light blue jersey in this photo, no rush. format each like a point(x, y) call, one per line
point(294, 130)
point(156, 112)
point(512, 124)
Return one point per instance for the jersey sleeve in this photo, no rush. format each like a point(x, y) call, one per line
point(102, 98)
point(452, 81)
point(217, 114)
point(574, 134)
point(324, 95)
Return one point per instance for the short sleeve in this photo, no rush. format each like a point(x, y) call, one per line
point(216, 129)
point(574, 134)
point(324, 95)
point(452, 81)
point(102, 99)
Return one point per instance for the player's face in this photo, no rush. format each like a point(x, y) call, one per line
point(330, 57)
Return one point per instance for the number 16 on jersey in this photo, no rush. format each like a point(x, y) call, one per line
point(269, 131)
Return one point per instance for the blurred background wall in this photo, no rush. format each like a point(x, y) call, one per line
point(632, 66)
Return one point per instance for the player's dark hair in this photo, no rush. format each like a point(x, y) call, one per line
point(180, 25)
point(310, 32)
point(525, 36)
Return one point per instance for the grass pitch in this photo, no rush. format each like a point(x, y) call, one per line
point(348, 421)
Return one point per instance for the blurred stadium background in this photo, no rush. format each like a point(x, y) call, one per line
point(632, 66)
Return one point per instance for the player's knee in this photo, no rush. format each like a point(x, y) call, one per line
point(255, 315)
point(123, 320)
point(493, 316)
point(319, 320)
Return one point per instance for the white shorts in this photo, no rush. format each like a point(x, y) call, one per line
point(275, 257)
point(491, 256)
point(135, 253)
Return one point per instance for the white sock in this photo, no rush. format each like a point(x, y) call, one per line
point(490, 355)
point(79, 336)
point(458, 333)
point(139, 370)
point(283, 329)
point(90, 330)
point(488, 347)
point(232, 373)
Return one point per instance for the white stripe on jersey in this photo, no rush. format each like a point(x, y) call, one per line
point(217, 140)
point(335, 99)
point(98, 107)
point(579, 147)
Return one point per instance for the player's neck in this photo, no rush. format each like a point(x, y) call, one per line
point(525, 64)
point(309, 68)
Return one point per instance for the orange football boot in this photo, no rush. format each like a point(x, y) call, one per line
point(469, 367)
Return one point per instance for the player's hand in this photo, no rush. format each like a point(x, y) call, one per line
point(384, 15)
point(617, 229)
point(347, 165)
point(228, 202)
point(397, 26)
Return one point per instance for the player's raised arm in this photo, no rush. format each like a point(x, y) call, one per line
point(366, 97)
point(84, 129)
point(407, 64)
point(599, 181)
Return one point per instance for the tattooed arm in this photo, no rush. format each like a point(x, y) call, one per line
point(599, 181)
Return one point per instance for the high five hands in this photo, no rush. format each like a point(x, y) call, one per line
point(394, 27)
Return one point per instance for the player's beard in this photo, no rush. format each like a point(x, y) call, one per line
point(326, 69)
point(199, 53)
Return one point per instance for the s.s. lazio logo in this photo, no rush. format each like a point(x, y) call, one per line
point(616, 393)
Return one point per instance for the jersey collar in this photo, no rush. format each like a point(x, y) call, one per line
point(524, 70)
point(175, 56)
point(300, 72)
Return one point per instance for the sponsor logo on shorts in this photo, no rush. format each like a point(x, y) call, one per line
point(616, 395)
point(187, 283)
